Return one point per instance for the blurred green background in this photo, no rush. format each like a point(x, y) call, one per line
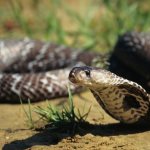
point(86, 24)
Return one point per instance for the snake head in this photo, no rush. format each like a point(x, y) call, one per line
point(80, 75)
point(92, 77)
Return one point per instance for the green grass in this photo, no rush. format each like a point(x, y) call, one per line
point(67, 118)
point(96, 24)
point(28, 114)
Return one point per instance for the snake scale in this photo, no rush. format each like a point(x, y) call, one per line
point(38, 70)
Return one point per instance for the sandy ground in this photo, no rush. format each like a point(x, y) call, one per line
point(104, 133)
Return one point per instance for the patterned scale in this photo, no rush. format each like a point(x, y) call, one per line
point(25, 63)
point(27, 66)
point(131, 58)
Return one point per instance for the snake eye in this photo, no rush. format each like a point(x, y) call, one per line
point(87, 72)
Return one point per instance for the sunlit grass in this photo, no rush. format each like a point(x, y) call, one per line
point(91, 25)
point(67, 118)
point(28, 114)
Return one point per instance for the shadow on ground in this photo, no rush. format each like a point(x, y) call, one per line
point(46, 137)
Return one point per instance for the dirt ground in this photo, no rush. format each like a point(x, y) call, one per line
point(104, 133)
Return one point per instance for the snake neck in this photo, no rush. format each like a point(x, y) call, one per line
point(128, 106)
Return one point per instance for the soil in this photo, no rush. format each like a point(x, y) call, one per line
point(103, 132)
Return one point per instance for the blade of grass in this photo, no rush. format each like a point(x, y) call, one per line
point(28, 113)
point(63, 118)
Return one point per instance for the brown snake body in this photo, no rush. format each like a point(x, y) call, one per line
point(37, 70)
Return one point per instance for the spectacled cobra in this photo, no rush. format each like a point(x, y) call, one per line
point(122, 99)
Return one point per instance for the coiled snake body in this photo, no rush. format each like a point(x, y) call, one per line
point(36, 70)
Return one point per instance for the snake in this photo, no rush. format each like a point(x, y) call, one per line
point(121, 98)
point(37, 70)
